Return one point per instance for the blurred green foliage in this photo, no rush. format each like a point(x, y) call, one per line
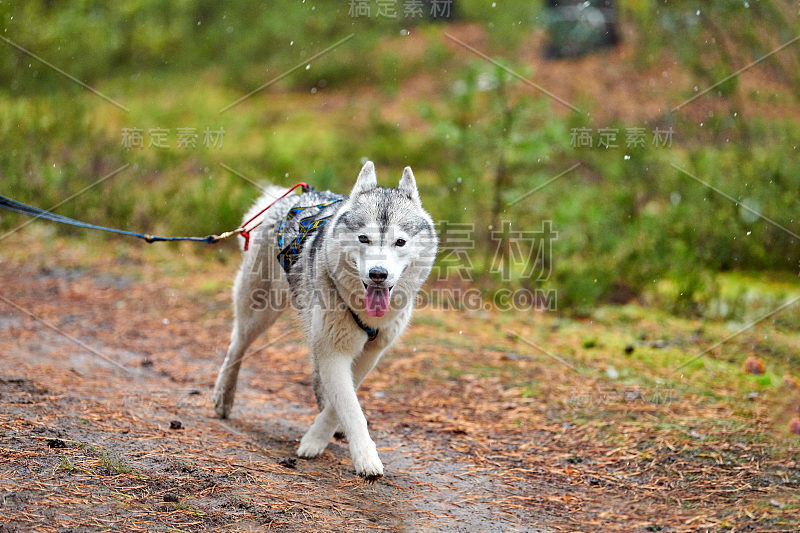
point(629, 224)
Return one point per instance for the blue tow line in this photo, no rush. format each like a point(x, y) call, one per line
point(19, 207)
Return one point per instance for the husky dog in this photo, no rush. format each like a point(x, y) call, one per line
point(351, 267)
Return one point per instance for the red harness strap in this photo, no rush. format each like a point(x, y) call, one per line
point(245, 232)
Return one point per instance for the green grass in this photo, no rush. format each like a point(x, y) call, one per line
point(629, 229)
point(66, 465)
point(109, 461)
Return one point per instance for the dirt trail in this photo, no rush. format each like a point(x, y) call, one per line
point(477, 432)
point(89, 445)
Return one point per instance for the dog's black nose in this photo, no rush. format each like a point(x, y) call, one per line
point(378, 274)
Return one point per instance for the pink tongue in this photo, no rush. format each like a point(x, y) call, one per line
point(377, 301)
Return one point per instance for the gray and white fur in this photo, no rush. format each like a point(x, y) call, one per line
point(372, 256)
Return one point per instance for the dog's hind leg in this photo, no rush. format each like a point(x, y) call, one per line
point(255, 308)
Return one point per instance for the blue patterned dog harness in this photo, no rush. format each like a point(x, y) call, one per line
point(305, 227)
point(290, 253)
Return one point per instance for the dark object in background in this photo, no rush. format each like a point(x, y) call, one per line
point(628, 349)
point(578, 28)
point(288, 462)
point(175, 424)
point(754, 365)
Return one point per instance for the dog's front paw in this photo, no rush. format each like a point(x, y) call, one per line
point(366, 461)
point(311, 446)
point(223, 403)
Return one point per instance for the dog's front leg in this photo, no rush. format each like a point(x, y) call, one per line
point(326, 424)
point(339, 390)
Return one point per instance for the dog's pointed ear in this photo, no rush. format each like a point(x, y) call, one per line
point(367, 179)
point(408, 186)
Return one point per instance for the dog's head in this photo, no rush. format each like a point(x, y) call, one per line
point(382, 243)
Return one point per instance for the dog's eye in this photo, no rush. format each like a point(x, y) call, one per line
point(363, 238)
point(400, 243)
